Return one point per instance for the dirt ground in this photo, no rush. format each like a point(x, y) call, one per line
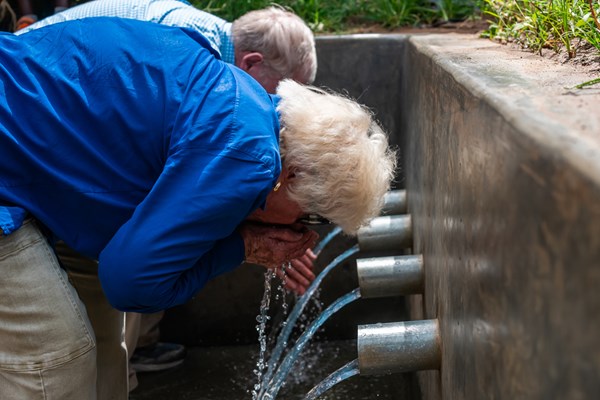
point(586, 57)
point(553, 78)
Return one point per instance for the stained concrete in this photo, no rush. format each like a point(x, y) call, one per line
point(503, 180)
point(500, 158)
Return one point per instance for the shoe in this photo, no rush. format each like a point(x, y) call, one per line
point(24, 22)
point(157, 357)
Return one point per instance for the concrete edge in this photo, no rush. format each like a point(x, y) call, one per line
point(530, 103)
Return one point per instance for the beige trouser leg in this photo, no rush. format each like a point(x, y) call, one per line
point(132, 332)
point(47, 347)
point(107, 322)
point(149, 328)
point(140, 330)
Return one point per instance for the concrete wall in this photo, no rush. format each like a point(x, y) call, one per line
point(501, 162)
point(503, 178)
point(369, 68)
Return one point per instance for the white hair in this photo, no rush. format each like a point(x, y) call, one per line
point(285, 41)
point(339, 154)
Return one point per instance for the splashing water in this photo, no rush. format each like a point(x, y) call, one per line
point(279, 319)
point(347, 371)
point(281, 292)
point(287, 363)
point(262, 319)
point(293, 316)
point(304, 368)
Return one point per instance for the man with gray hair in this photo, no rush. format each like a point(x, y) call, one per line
point(269, 44)
point(174, 168)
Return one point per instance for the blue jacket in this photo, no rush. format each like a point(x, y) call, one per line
point(135, 145)
point(166, 12)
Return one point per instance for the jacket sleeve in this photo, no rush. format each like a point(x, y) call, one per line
point(183, 233)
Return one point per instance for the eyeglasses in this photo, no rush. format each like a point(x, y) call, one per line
point(313, 219)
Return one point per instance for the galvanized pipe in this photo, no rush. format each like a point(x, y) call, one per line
point(390, 276)
point(398, 347)
point(392, 232)
point(394, 203)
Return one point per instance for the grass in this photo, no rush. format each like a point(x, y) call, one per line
point(559, 25)
point(588, 83)
point(338, 16)
point(562, 26)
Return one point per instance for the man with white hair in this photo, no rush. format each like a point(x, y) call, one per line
point(269, 44)
point(167, 165)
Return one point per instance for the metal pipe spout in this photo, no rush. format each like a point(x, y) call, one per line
point(392, 232)
point(394, 203)
point(390, 276)
point(399, 347)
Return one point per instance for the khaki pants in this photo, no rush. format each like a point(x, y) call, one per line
point(140, 330)
point(47, 345)
point(107, 322)
point(115, 346)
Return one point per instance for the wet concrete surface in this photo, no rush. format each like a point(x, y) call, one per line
point(226, 373)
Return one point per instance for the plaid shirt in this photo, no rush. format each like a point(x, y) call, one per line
point(167, 12)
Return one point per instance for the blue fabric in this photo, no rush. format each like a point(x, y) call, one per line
point(11, 218)
point(132, 143)
point(167, 12)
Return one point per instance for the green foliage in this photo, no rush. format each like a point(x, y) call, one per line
point(588, 83)
point(344, 15)
point(321, 16)
point(559, 25)
point(397, 13)
point(456, 10)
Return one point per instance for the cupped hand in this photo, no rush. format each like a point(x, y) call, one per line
point(274, 245)
point(298, 275)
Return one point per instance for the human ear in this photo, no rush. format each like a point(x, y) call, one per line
point(250, 60)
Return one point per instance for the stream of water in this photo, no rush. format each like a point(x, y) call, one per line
point(347, 371)
point(282, 339)
point(284, 368)
point(262, 319)
point(334, 232)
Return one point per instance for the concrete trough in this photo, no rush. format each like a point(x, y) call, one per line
point(500, 160)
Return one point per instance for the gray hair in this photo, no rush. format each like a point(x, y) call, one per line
point(339, 154)
point(285, 41)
